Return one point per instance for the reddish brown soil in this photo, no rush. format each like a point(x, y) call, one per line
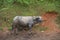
point(50, 21)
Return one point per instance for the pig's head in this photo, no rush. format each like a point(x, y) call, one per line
point(38, 19)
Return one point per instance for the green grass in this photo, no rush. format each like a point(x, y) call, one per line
point(1, 28)
point(43, 28)
point(40, 28)
point(9, 28)
point(58, 21)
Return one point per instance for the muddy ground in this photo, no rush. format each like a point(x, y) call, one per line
point(30, 36)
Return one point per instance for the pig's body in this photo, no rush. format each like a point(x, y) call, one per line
point(21, 22)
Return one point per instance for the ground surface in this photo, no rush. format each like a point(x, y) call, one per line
point(53, 33)
point(50, 22)
point(30, 36)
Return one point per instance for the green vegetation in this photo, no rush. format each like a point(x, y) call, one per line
point(40, 28)
point(11, 8)
point(1, 28)
point(58, 21)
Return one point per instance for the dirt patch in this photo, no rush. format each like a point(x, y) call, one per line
point(50, 21)
point(30, 36)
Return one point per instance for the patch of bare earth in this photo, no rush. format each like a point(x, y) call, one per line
point(53, 33)
point(50, 18)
